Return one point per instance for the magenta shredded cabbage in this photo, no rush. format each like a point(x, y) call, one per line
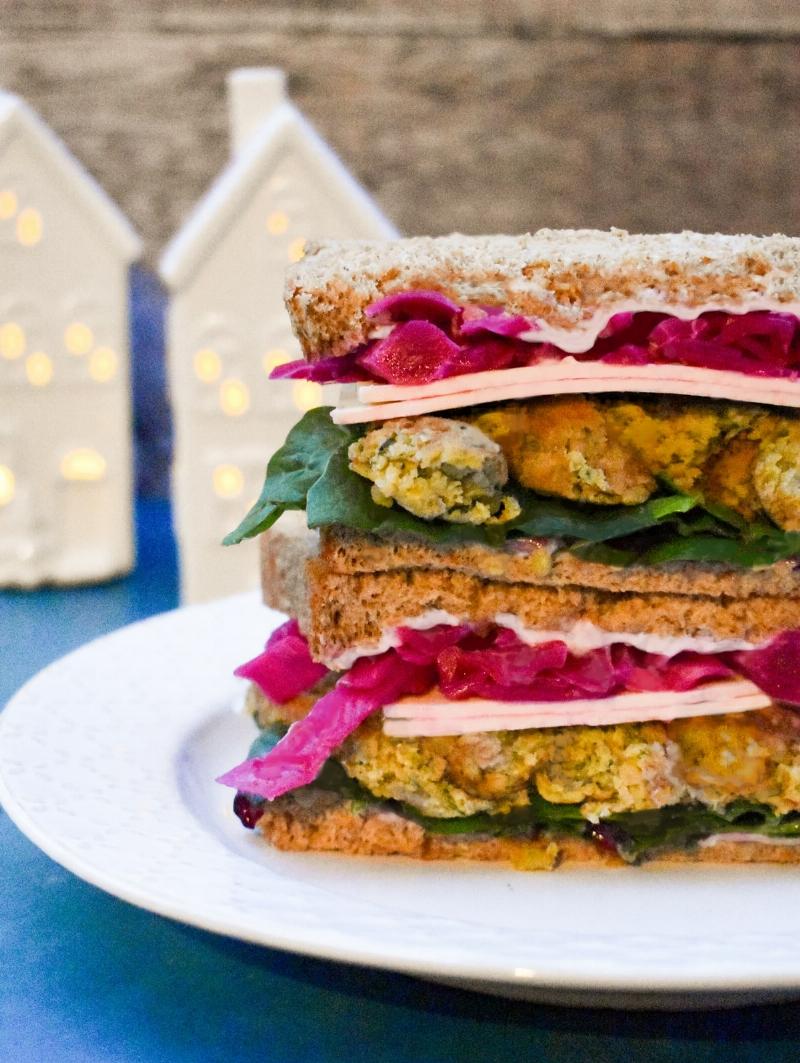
point(464, 662)
point(774, 668)
point(502, 667)
point(285, 668)
point(414, 306)
point(297, 759)
point(433, 338)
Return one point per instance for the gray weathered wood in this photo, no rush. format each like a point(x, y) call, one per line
point(459, 115)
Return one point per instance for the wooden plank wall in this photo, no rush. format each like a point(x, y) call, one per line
point(476, 115)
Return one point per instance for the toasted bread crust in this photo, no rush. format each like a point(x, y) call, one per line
point(337, 827)
point(561, 277)
point(356, 587)
point(355, 610)
point(350, 551)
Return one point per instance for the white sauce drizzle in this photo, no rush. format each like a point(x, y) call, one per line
point(378, 402)
point(581, 638)
point(741, 836)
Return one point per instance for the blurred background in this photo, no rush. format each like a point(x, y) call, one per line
point(458, 115)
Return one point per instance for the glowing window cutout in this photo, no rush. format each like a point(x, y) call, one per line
point(8, 485)
point(8, 203)
point(275, 357)
point(207, 365)
point(228, 481)
point(234, 398)
point(102, 364)
point(83, 464)
point(30, 227)
point(277, 222)
point(78, 338)
point(39, 369)
point(306, 394)
point(12, 340)
point(296, 249)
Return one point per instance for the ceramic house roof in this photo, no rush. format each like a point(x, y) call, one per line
point(242, 178)
point(18, 119)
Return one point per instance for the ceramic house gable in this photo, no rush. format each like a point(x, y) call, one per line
point(65, 250)
point(228, 327)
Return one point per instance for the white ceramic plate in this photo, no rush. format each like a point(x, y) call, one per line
point(107, 761)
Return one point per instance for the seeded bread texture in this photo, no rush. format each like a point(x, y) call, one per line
point(323, 822)
point(561, 277)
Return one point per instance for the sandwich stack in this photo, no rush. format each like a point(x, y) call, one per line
point(545, 604)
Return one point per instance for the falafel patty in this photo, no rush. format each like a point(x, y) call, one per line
point(711, 760)
point(603, 451)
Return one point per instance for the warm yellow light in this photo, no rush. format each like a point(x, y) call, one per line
point(83, 464)
point(306, 394)
point(228, 481)
point(234, 398)
point(8, 204)
point(29, 227)
point(78, 338)
point(102, 364)
point(297, 248)
point(275, 357)
point(277, 222)
point(207, 365)
point(12, 340)
point(8, 485)
point(39, 369)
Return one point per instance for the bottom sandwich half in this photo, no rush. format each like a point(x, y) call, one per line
point(540, 726)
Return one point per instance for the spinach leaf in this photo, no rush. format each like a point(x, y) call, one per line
point(293, 470)
point(708, 548)
point(311, 472)
point(341, 496)
point(548, 517)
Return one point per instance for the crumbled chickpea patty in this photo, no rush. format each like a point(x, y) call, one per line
point(435, 467)
point(602, 450)
point(563, 447)
point(776, 475)
point(620, 768)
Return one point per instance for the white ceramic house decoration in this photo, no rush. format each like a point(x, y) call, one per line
point(227, 324)
point(65, 422)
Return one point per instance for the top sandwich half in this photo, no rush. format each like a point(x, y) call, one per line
point(629, 399)
point(427, 324)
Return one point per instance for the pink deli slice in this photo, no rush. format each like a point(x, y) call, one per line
point(434, 715)
point(380, 402)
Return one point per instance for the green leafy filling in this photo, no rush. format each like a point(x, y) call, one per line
point(634, 835)
point(311, 472)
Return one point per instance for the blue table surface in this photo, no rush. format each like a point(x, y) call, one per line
point(85, 977)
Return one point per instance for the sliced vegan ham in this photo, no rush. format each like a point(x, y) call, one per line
point(433, 715)
point(380, 402)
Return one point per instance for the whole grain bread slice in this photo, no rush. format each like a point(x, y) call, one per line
point(326, 823)
point(340, 609)
point(346, 550)
point(560, 277)
point(349, 611)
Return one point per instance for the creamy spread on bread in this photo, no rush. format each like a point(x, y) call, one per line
point(581, 637)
